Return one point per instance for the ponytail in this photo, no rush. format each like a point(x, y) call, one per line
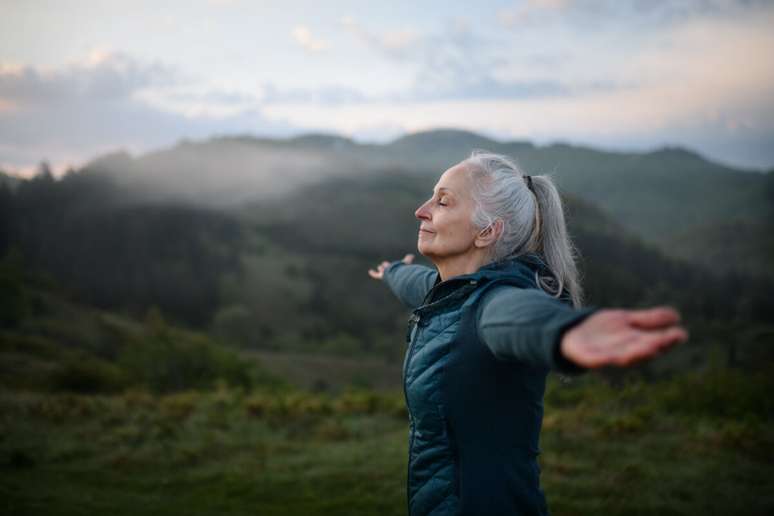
point(533, 220)
point(553, 242)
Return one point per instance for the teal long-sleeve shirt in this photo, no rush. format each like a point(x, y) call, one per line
point(521, 325)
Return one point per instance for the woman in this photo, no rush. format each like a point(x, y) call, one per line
point(500, 310)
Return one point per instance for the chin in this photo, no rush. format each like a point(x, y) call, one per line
point(426, 251)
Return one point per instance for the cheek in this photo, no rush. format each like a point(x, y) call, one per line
point(458, 230)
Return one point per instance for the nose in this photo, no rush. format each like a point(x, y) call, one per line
point(422, 212)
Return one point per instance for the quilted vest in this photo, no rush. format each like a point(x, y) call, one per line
point(474, 420)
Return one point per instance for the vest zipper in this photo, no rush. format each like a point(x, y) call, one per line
point(413, 321)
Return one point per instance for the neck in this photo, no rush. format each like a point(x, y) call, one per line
point(468, 263)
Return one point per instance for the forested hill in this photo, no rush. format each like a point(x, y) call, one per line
point(288, 272)
point(8, 180)
point(687, 206)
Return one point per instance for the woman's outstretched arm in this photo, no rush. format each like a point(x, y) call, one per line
point(528, 326)
point(410, 283)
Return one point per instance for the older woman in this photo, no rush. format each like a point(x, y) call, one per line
point(501, 308)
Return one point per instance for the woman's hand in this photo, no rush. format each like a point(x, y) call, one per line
point(378, 273)
point(622, 337)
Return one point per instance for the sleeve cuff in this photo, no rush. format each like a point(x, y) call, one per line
point(387, 276)
point(393, 264)
point(563, 364)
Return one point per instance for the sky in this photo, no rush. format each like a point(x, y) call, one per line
point(83, 78)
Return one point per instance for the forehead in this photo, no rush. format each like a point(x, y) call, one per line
point(454, 180)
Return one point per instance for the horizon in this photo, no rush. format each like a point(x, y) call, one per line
point(60, 169)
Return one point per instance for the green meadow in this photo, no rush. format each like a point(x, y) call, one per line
point(696, 444)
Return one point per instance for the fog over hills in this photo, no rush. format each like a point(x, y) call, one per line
point(671, 197)
point(223, 172)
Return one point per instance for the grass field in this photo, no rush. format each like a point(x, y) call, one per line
point(691, 445)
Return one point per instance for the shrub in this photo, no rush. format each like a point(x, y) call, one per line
point(88, 375)
point(720, 392)
point(14, 303)
point(178, 407)
point(331, 429)
point(167, 360)
point(263, 405)
point(358, 402)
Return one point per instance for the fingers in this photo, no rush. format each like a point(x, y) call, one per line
point(647, 345)
point(650, 318)
point(609, 339)
point(378, 273)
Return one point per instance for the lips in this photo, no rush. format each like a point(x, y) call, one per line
point(425, 230)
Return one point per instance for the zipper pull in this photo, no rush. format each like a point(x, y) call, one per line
point(414, 319)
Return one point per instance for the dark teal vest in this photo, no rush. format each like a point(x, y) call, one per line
point(474, 420)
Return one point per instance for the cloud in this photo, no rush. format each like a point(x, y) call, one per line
point(458, 64)
point(483, 87)
point(588, 16)
point(530, 10)
point(195, 100)
point(303, 36)
point(395, 44)
point(213, 96)
point(329, 95)
point(105, 102)
point(704, 83)
point(225, 101)
point(103, 76)
point(455, 63)
point(708, 63)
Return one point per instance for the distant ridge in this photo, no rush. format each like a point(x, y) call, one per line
point(322, 140)
point(433, 141)
point(447, 139)
point(663, 196)
point(671, 197)
point(443, 137)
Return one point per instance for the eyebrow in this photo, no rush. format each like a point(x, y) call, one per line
point(444, 189)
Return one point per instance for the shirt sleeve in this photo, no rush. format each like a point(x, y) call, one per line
point(409, 282)
point(527, 326)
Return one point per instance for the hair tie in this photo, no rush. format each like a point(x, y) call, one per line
point(528, 179)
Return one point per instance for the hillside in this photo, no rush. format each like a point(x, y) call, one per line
point(287, 272)
point(668, 197)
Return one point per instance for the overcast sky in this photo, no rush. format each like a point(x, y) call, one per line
point(79, 78)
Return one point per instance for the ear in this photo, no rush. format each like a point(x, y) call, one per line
point(489, 235)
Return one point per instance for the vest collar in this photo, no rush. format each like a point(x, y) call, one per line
point(522, 269)
point(525, 265)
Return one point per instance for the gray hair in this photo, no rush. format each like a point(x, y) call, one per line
point(533, 219)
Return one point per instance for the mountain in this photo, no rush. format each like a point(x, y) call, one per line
point(288, 272)
point(670, 197)
point(439, 149)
